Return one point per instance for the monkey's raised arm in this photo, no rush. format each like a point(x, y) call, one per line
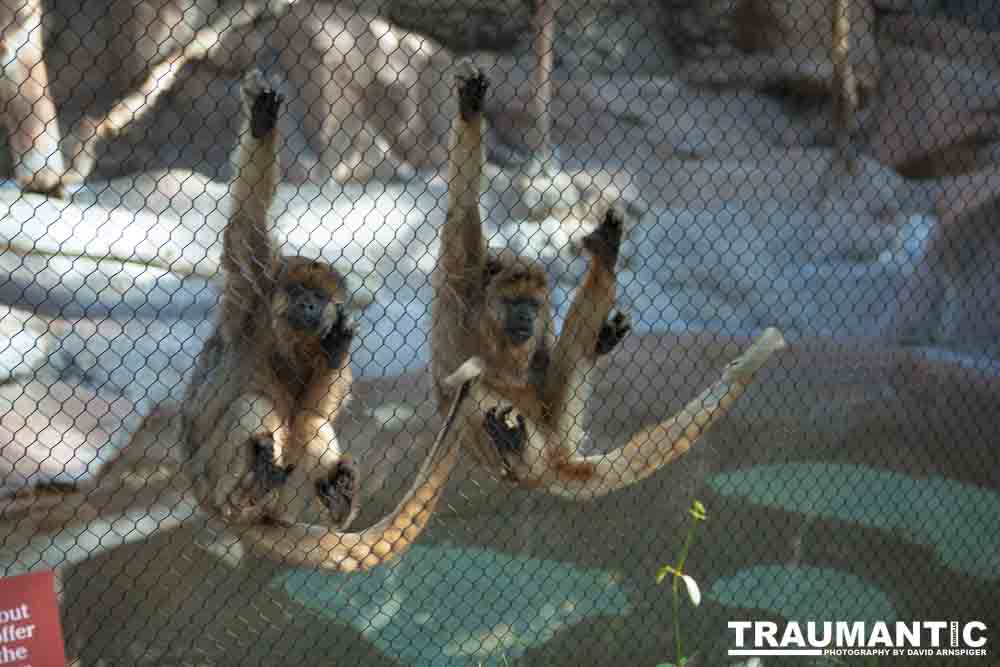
point(463, 248)
point(249, 258)
point(459, 275)
point(568, 388)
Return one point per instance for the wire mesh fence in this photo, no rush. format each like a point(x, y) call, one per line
point(725, 274)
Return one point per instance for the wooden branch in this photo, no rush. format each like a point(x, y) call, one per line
point(844, 83)
point(161, 78)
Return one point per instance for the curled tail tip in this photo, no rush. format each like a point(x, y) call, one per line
point(469, 370)
point(771, 340)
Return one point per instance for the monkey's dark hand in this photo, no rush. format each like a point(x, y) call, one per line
point(339, 493)
point(264, 113)
point(507, 431)
point(472, 85)
point(612, 332)
point(267, 475)
point(337, 343)
point(605, 241)
point(263, 100)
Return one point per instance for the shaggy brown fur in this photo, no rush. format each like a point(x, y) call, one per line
point(526, 418)
point(145, 490)
point(258, 418)
point(273, 378)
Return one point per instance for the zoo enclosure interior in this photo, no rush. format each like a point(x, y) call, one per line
point(827, 168)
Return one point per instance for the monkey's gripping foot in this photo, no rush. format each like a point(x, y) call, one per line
point(337, 343)
point(250, 497)
point(605, 241)
point(264, 102)
point(339, 493)
point(612, 332)
point(472, 85)
point(508, 432)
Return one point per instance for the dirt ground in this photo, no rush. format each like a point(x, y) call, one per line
point(895, 411)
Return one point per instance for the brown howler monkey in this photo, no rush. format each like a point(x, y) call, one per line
point(275, 374)
point(525, 418)
point(258, 417)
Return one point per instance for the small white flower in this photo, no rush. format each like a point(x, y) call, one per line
point(692, 589)
point(689, 583)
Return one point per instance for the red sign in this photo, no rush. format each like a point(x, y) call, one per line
point(30, 634)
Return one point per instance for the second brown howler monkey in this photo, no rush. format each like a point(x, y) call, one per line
point(525, 419)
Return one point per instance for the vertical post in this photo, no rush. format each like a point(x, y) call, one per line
point(540, 136)
point(844, 84)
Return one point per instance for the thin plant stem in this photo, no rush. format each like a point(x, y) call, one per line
point(677, 622)
point(676, 591)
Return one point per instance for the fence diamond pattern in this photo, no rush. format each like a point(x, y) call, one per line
point(814, 177)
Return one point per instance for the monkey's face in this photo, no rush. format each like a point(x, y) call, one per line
point(517, 304)
point(520, 318)
point(310, 310)
point(309, 300)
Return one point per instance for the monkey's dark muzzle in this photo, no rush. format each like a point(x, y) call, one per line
point(308, 310)
point(521, 316)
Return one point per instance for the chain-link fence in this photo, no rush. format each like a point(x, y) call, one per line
point(174, 439)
